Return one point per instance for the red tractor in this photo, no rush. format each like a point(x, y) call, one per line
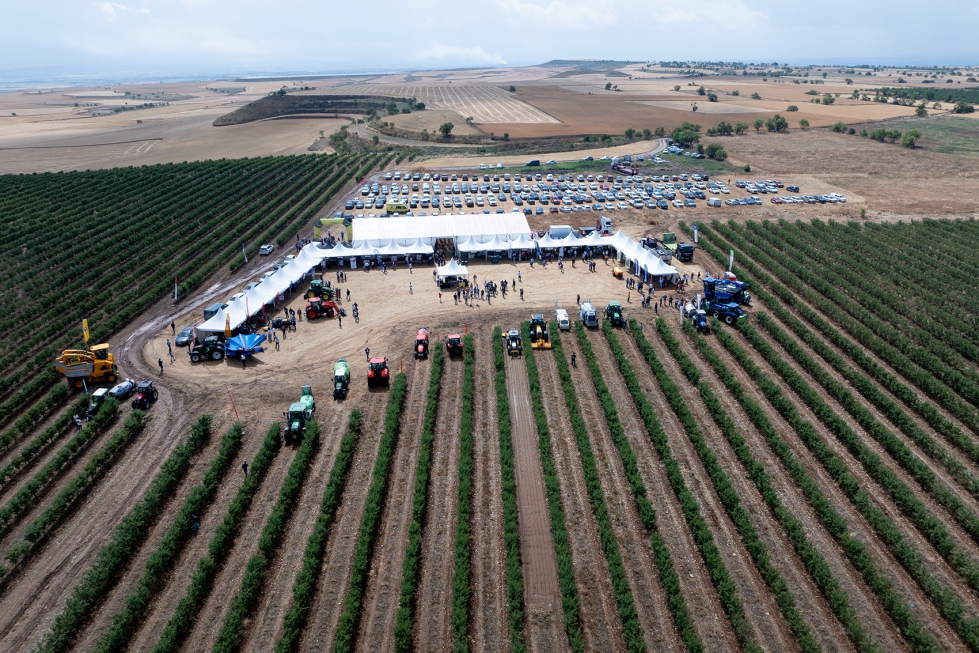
point(454, 345)
point(421, 343)
point(378, 373)
point(145, 393)
point(318, 307)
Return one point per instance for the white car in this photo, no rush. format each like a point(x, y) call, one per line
point(266, 276)
point(678, 204)
point(289, 259)
point(621, 206)
point(265, 250)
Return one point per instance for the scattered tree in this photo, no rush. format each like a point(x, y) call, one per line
point(792, 107)
point(606, 138)
point(700, 148)
point(828, 99)
point(676, 88)
point(694, 107)
point(909, 138)
point(376, 139)
point(735, 93)
point(506, 136)
point(716, 151)
point(921, 111)
point(712, 97)
point(660, 132)
point(777, 124)
point(740, 128)
point(513, 89)
point(701, 91)
point(469, 120)
point(838, 127)
point(804, 124)
point(824, 75)
point(755, 96)
point(759, 123)
point(747, 168)
point(630, 133)
point(608, 86)
point(424, 134)
point(446, 129)
point(647, 133)
point(963, 107)
point(848, 81)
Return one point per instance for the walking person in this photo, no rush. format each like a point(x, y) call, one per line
point(170, 351)
point(440, 298)
point(521, 294)
point(578, 299)
point(173, 327)
point(160, 363)
point(410, 289)
point(367, 351)
point(339, 321)
point(276, 343)
point(348, 294)
point(574, 360)
point(242, 361)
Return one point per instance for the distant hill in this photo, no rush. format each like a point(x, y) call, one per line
point(609, 67)
point(275, 105)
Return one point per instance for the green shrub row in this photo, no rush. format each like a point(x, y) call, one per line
point(552, 485)
point(632, 630)
point(116, 555)
point(28, 391)
point(511, 528)
point(930, 526)
point(55, 398)
point(346, 631)
point(27, 454)
point(38, 483)
point(269, 541)
point(727, 590)
point(722, 484)
point(814, 562)
point(909, 557)
point(412, 563)
point(855, 352)
point(163, 559)
point(181, 623)
point(304, 586)
point(464, 506)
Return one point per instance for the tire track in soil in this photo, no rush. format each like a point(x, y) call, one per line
point(266, 625)
point(702, 600)
point(334, 577)
point(384, 581)
point(760, 604)
point(488, 629)
point(542, 593)
point(37, 596)
point(600, 622)
point(433, 602)
point(859, 527)
point(227, 584)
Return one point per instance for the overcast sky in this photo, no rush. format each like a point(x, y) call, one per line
point(197, 37)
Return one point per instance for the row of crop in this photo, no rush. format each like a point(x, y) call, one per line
point(703, 537)
point(464, 505)
point(814, 562)
point(854, 549)
point(632, 630)
point(511, 530)
point(925, 357)
point(906, 328)
point(55, 398)
point(269, 541)
point(552, 485)
point(28, 391)
point(66, 501)
point(164, 558)
point(346, 631)
point(39, 483)
point(27, 454)
point(304, 586)
point(729, 497)
point(116, 555)
point(310, 207)
point(222, 543)
point(412, 563)
point(891, 356)
point(948, 604)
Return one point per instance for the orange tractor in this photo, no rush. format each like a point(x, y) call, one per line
point(421, 343)
point(318, 307)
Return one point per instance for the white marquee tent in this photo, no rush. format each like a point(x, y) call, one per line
point(392, 248)
point(452, 269)
point(428, 229)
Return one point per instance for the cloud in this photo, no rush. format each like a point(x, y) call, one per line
point(574, 14)
point(108, 9)
point(437, 53)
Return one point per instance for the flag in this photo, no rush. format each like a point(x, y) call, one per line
point(85, 330)
point(175, 289)
point(227, 325)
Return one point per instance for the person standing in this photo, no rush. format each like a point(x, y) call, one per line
point(367, 351)
point(173, 327)
point(276, 342)
point(440, 298)
point(578, 299)
point(574, 360)
point(244, 467)
point(170, 350)
point(243, 361)
point(160, 363)
point(339, 320)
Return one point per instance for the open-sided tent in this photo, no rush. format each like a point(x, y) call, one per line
point(452, 269)
point(247, 344)
point(523, 242)
point(429, 229)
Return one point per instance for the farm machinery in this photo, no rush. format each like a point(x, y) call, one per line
point(613, 313)
point(341, 379)
point(212, 347)
point(87, 365)
point(98, 398)
point(378, 372)
point(421, 343)
point(539, 338)
point(729, 312)
point(669, 241)
point(514, 345)
point(299, 415)
point(319, 307)
point(726, 290)
point(319, 288)
point(453, 344)
point(697, 316)
point(145, 393)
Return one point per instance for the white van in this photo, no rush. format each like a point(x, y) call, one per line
point(560, 230)
point(714, 201)
point(563, 323)
point(588, 315)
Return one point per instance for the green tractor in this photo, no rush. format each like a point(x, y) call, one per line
point(298, 416)
point(341, 379)
point(319, 288)
point(211, 348)
point(613, 313)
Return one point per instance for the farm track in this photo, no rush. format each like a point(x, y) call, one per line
point(633, 539)
point(489, 632)
point(266, 625)
point(772, 632)
point(601, 626)
point(903, 582)
point(334, 576)
point(383, 589)
point(433, 603)
point(36, 597)
point(542, 593)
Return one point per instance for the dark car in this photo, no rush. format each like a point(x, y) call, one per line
point(792, 189)
point(183, 338)
point(123, 390)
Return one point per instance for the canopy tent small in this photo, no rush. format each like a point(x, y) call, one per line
point(471, 245)
point(521, 243)
point(594, 239)
point(452, 269)
point(245, 344)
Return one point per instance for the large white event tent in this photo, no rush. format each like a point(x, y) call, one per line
point(643, 261)
point(479, 227)
point(366, 249)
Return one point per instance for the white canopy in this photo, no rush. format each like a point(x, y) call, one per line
point(594, 239)
point(633, 251)
point(523, 242)
point(452, 269)
point(428, 229)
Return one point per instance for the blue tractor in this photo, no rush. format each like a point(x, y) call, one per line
point(726, 290)
point(729, 312)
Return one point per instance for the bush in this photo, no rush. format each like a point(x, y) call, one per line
point(909, 138)
point(828, 99)
point(747, 168)
point(963, 107)
point(755, 96)
point(792, 107)
point(838, 127)
point(716, 151)
point(804, 124)
point(777, 124)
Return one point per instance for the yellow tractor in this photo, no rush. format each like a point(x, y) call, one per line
point(90, 365)
point(539, 338)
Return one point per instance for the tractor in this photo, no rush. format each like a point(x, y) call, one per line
point(618, 272)
point(298, 416)
point(98, 398)
point(319, 288)
point(378, 372)
point(613, 313)
point(726, 290)
point(318, 307)
point(539, 338)
point(514, 345)
point(145, 393)
point(341, 379)
point(730, 312)
point(697, 316)
point(421, 343)
point(91, 365)
point(453, 344)
point(212, 348)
